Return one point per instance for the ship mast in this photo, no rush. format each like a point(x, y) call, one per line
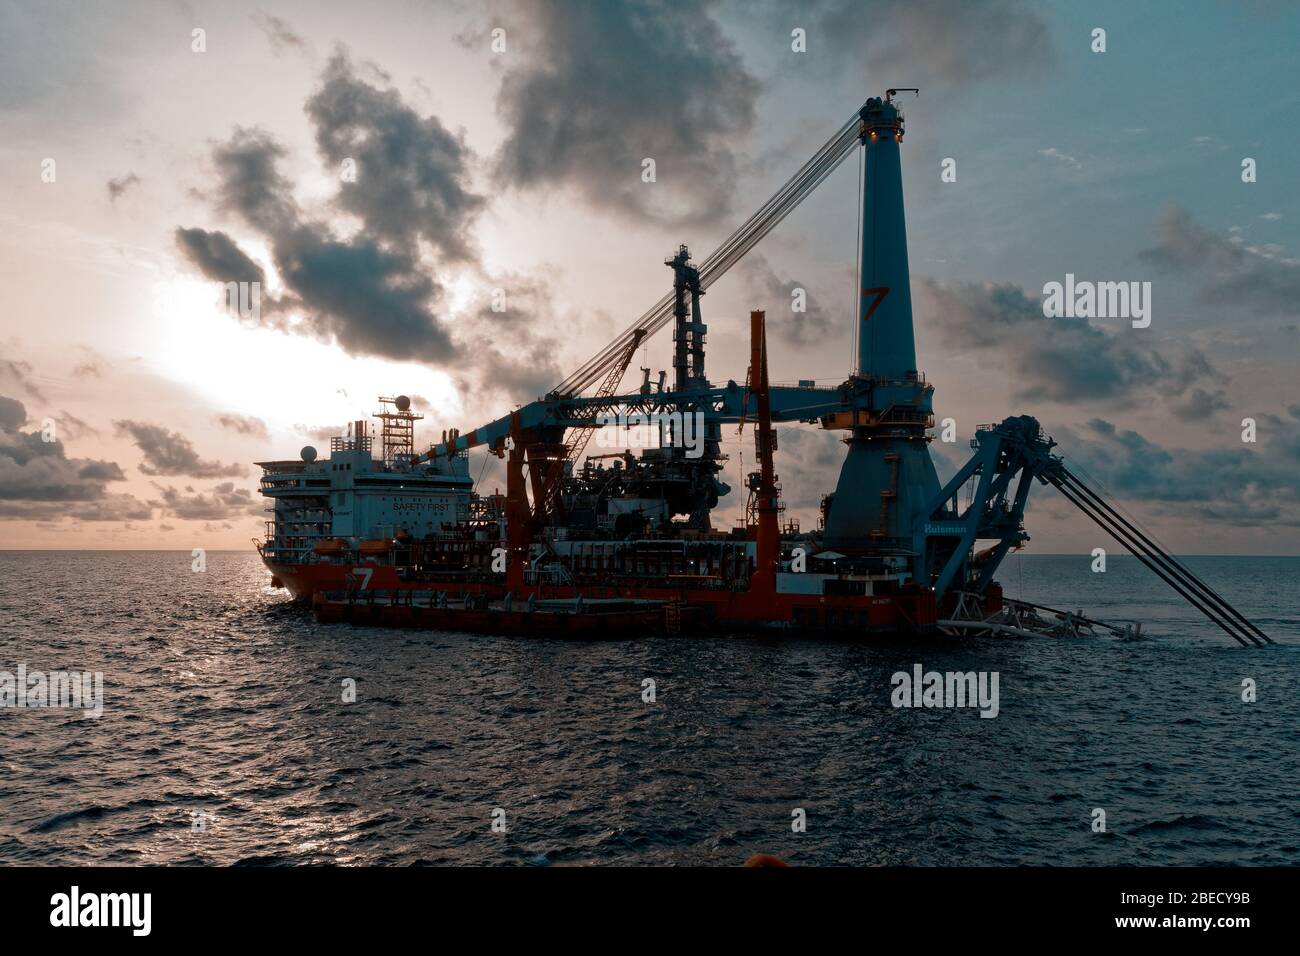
point(397, 431)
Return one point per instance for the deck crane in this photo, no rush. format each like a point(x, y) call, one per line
point(548, 495)
point(889, 509)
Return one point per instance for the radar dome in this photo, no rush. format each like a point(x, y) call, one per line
point(308, 453)
point(402, 402)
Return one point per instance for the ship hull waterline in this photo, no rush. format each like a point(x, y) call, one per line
point(719, 608)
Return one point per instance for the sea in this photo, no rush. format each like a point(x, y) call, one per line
point(235, 730)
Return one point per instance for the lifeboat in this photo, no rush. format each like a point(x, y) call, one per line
point(375, 548)
point(330, 546)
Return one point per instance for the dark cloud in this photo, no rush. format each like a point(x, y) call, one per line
point(592, 89)
point(218, 257)
point(369, 300)
point(1236, 484)
point(250, 184)
point(171, 453)
point(222, 502)
point(775, 294)
point(120, 184)
point(1061, 359)
point(412, 174)
point(37, 477)
point(369, 297)
point(1226, 271)
point(13, 414)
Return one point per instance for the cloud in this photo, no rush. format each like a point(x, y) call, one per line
point(119, 185)
point(412, 174)
point(279, 33)
point(71, 427)
point(797, 328)
point(592, 89)
point(250, 184)
point(320, 432)
point(20, 373)
point(1238, 484)
point(808, 462)
point(218, 256)
point(171, 453)
point(1226, 270)
point(112, 508)
point(38, 479)
point(13, 414)
point(244, 425)
point(369, 297)
point(373, 293)
point(221, 502)
point(368, 300)
point(1062, 359)
point(511, 356)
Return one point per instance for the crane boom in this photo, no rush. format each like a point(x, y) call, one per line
point(824, 162)
point(579, 435)
point(582, 435)
point(809, 176)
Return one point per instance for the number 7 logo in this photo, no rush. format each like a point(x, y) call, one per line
point(364, 575)
point(880, 293)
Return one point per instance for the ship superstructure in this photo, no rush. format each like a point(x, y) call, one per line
point(355, 504)
point(627, 541)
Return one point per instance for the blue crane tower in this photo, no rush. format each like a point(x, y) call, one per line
point(888, 475)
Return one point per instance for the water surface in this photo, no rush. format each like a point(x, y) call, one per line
point(224, 699)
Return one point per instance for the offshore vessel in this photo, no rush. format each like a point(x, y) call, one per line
point(622, 543)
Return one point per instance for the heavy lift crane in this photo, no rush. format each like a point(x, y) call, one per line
point(888, 504)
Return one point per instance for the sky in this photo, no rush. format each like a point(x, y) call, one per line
point(388, 171)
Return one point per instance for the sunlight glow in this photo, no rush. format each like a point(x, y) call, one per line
point(286, 380)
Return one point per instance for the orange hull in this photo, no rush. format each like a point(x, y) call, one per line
point(304, 580)
point(755, 608)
